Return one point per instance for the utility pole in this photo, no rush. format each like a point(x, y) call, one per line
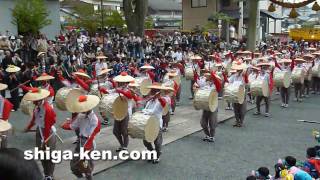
point(102, 24)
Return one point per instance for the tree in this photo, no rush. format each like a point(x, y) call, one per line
point(88, 18)
point(148, 24)
point(30, 16)
point(115, 19)
point(252, 26)
point(135, 12)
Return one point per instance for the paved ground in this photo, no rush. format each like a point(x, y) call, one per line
point(236, 151)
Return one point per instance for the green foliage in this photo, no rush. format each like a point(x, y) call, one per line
point(148, 23)
point(115, 19)
point(88, 19)
point(220, 16)
point(91, 20)
point(30, 16)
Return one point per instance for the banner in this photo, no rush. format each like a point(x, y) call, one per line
point(308, 34)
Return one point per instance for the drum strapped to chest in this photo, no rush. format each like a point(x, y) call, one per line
point(298, 76)
point(144, 126)
point(206, 99)
point(113, 106)
point(282, 79)
point(5, 127)
point(316, 70)
point(94, 89)
point(61, 98)
point(234, 93)
point(259, 87)
point(176, 79)
point(143, 82)
point(27, 107)
point(189, 73)
point(165, 110)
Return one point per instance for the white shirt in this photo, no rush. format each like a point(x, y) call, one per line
point(235, 78)
point(99, 66)
point(85, 123)
point(39, 114)
point(154, 107)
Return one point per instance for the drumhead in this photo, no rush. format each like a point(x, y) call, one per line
point(61, 97)
point(241, 94)
point(144, 83)
point(120, 108)
point(286, 80)
point(213, 101)
point(152, 129)
point(5, 126)
point(27, 107)
point(165, 110)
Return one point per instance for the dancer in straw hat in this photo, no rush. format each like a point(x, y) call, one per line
point(298, 65)
point(120, 128)
point(5, 105)
point(167, 96)
point(209, 120)
point(284, 92)
point(43, 118)
point(170, 82)
point(155, 107)
point(89, 126)
point(12, 80)
point(45, 84)
point(239, 78)
point(264, 75)
point(307, 66)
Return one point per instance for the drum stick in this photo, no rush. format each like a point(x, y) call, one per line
point(48, 138)
point(19, 86)
point(306, 121)
point(64, 68)
point(99, 86)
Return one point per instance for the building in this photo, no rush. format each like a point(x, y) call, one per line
point(166, 13)
point(50, 31)
point(198, 12)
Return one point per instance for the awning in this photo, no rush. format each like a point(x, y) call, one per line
point(272, 15)
point(234, 14)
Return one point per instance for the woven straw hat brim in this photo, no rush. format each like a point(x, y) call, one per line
point(3, 86)
point(146, 67)
point(40, 53)
point(82, 74)
point(73, 104)
point(285, 61)
point(196, 57)
point(13, 69)
point(101, 57)
point(121, 78)
point(105, 71)
point(36, 96)
point(300, 60)
point(159, 87)
point(238, 67)
point(264, 64)
point(5, 126)
point(44, 78)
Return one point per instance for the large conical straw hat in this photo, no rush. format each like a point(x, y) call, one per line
point(77, 102)
point(12, 69)
point(123, 77)
point(3, 86)
point(44, 77)
point(36, 94)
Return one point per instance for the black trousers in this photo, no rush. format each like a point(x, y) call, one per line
point(298, 90)
point(209, 122)
point(157, 144)
point(166, 120)
point(240, 111)
point(120, 130)
point(48, 165)
point(306, 87)
point(15, 100)
point(316, 84)
point(266, 100)
point(76, 165)
point(191, 88)
point(284, 92)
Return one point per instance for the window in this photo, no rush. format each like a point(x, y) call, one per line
point(226, 3)
point(198, 3)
